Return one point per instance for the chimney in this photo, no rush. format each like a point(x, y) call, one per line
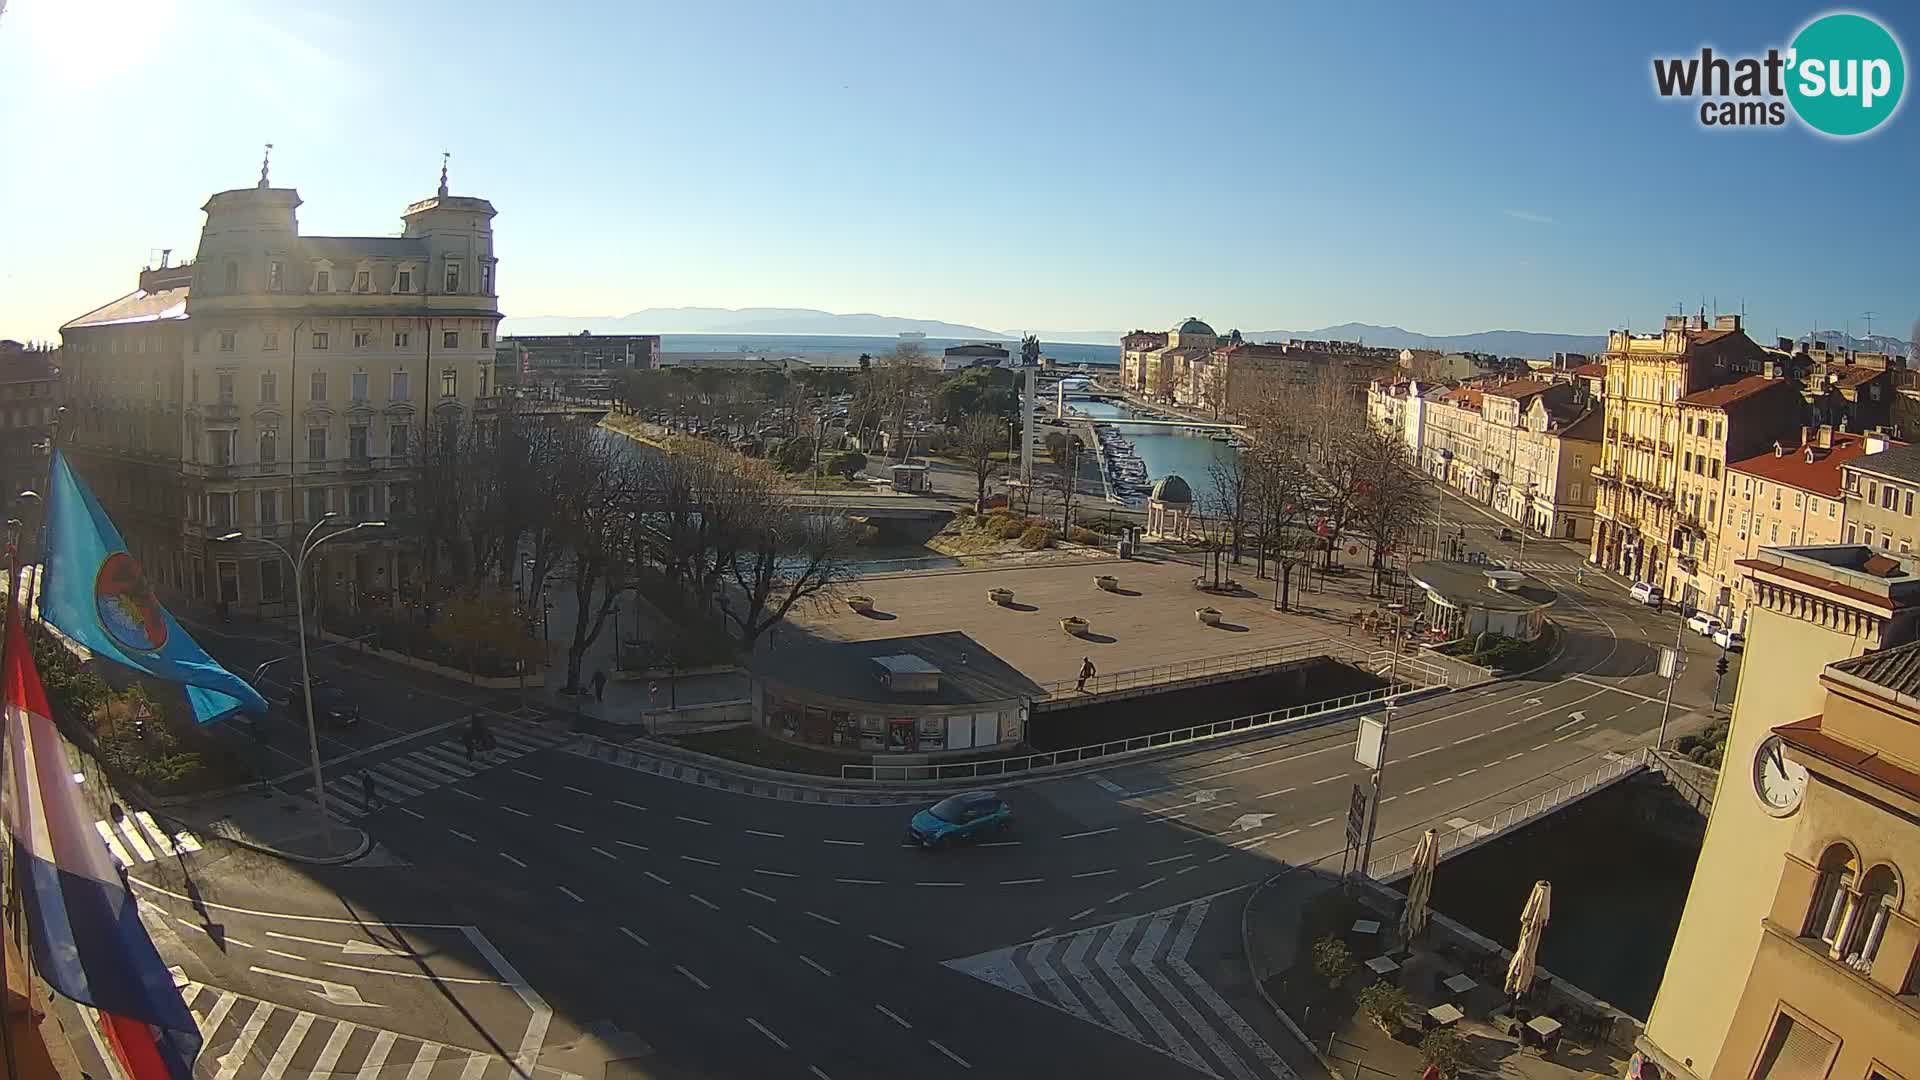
point(1805, 434)
point(165, 254)
point(1785, 345)
point(1876, 442)
point(1726, 322)
point(1778, 450)
point(1771, 370)
point(1826, 436)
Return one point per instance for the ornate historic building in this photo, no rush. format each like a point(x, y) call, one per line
point(277, 378)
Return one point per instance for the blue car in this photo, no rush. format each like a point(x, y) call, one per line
point(960, 818)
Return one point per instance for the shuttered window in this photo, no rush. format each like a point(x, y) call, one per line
point(1794, 1052)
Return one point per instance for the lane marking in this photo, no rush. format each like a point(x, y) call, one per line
point(1286, 834)
point(1081, 915)
point(1271, 794)
point(514, 810)
point(628, 805)
point(1504, 727)
point(463, 836)
point(304, 940)
point(698, 859)
point(768, 835)
point(1424, 753)
point(814, 964)
point(773, 873)
point(1468, 739)
point(771, 1037)
point(578, 791)
point(1542, 746)
point(429, 975)
point(818, 1075)
point(1186, 870)
point(1117, 897)
point(1168, 859)
point(287, 955)
point(462, 794)
point(1443, 780)
point(607, 853)
point(1096, 873)
point(998, 843)
point(1152, 883)
point(690, 820)
point(411, 813)
point(763, 934)
point(1220, 856)
point(1319, 823)
point(884, 941)
point(828, 919)
point(894, 1016)
point(1568, 724)
point(1415, 791)
point(1331, 779)
point(525, 773)
point(758, 895)
point(636, 937)
point(939, 884)
point(1515, 757)
point(656, 877)
point(1388, 799)
point(845, 843)
point(571, 893)
point(513, 860)
point(1469, 772)
point(1023, 881)
point(703, 902)
point(692, 978)
point(859, 881)
point(634, 846)
point(571, 829)
point(956, 1058)
point(1090, 832)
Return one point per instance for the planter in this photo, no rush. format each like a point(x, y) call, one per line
point(1208, 615)
point(861, 604)
point(1075, 626)
point(1002, 597)
point(1106, 582)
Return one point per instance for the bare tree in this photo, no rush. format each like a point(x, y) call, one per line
point(791, 555)
point(593, 518)
point(977, 437)
point(1390, 497)
point(1227, 498)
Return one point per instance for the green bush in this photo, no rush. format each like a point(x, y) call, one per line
point(1385, 1004)
point(1333, 961)
point(1036, 537)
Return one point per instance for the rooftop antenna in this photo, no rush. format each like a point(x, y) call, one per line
point(1869, 317)
point(265, 157)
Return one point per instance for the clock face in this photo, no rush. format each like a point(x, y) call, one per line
point(1780, 782)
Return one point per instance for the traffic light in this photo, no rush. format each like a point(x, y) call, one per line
point(1720, 665)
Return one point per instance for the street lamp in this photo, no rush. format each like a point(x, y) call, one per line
point(299, 564)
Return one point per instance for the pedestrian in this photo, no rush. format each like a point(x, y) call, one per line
point(1086, 672)
point(369, 794)
point(600, 686)
point(466, 740)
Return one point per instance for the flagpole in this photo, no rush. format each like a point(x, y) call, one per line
point(18, 909)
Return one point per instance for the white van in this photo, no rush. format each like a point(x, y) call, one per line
point(1646, 592)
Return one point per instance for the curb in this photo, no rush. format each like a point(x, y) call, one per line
point(1246, 953)
point(359, 850)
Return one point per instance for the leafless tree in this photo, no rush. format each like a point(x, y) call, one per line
point(789, 556)
point(593, 519)
point(1226, 500)
point(1390, 497)
point(975, 440)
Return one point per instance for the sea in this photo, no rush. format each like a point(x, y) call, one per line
point(803, 345)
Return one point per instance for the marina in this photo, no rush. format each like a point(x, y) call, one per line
point(1138, 447)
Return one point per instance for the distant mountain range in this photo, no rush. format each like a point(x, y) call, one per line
point(755, 320)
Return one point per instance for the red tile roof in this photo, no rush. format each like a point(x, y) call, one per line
point(1595, 370)
point(1719, 397)
point(1821, 477)
point(1519, 389)
point(1807, 737)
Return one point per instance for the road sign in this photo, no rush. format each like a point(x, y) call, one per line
point(1669, 661)
point(1369, 747)
point(1357, 817)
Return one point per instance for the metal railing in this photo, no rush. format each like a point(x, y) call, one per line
point(1026, 763)
point(1134, 678)
point(1518, 814)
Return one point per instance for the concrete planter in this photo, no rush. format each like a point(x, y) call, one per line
point(1002, 597)
point(861, 604)
point(1208, 615)
point(1075, 626)
point(1106, 582)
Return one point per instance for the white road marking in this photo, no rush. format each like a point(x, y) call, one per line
point(1117, 897)
point(956, 1058)
point(1388, 799)
point(1424, 753)
point(1513, 757)
point(692, 978)
point(634, 846)
point(763, 934)
point(476, 1068)
point(1469, 772)
point(886, 942)
point(846, 843)
point(1319, 823)
point(305, 940)
point(578, 791)
point(758, 895)
point(771, 1037)
point(1568, 724)
point(1286, 834)
point(571, 893)
point(828, 919)
point(1271, 794)
point(232, 1060)
point(1220, 856)
point(859, 881)
point(514, 810)
point(1415, 791)
point(939, 884)
point(1090, 832)
point(773, 873)
point(999, 843)
point(894, 1016)
point(703, 901)
point(818, 1075)
point(1171, 858)
point(1023, 881)
point(1443, 780)
point(607, 853)
point(636, 937)
point(1151, 884)
point(571, 829)
point(1568, 735)
point(336, 1045)
point(463, 836)
point(286, 955)
point(526, 774)
point(1468, 739)
point(690, 820)
point(1331, 779)
point(376, 1059)
point(1081, 915)
point(768, 835)
point(656, 877)
point(698, 859)
point(1186, 870)
point(628, 805)
point(1096, 873)
point(413, 814)
point(1542, 746)
point(1504, 727)
point(463, 794)
point(815, 965)
point(513, 860)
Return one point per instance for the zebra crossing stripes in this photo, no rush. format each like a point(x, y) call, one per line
point(439, 765)
point(246, 1038)
point(139, 839)
point(1133, 978)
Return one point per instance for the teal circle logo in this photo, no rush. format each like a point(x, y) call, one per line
point(1846, 74)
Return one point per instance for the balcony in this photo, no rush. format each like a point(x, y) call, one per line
point(220, 412)
point(1666, 448)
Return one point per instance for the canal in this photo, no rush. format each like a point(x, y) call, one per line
point(1164, 451)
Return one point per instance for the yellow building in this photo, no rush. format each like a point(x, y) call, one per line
point(1781, 847)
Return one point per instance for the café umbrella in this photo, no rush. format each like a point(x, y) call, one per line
point(1418, 912)
point(1533, 923)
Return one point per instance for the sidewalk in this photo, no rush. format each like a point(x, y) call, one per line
point(278, 824)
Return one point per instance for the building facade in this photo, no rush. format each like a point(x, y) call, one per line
point(535, 354)
point(1729, 422)
point(279, 378)
point(1774, 971)
point(1880, 491)
point(1636, 515)
point(29, 400)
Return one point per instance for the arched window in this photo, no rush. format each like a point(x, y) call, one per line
point(1832, 894)
point(1879, 896)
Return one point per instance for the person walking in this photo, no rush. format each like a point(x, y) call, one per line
point(599, 686)
point(369, 793)
point(1086, 672)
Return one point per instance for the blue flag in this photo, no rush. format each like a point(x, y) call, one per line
point(97, 595)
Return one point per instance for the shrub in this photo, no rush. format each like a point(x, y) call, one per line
point(794, 455)
point(1012, 530)
point(1036, 537)
point(846, 463)
point(1332, 960)
point(1385, 1004)
point(1082, 535)
point(1443, 1049)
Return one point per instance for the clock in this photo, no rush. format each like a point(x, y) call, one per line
point(1779, 782)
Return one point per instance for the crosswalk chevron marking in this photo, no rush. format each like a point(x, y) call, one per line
point(1163, 1002)
point(429, 768)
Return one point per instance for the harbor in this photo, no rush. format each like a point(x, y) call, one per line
point(1137, 447)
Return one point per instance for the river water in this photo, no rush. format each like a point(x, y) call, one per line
point(1163, 451)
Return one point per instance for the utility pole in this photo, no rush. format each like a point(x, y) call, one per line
point(1670, 667)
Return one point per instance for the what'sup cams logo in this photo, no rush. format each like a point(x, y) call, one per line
point(1843, 76)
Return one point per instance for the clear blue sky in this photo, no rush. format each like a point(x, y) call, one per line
point(1039, 165)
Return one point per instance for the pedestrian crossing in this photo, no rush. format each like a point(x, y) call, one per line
point(245, 1038)
point(137, 838)
point(1133, 978)
point(411, 775)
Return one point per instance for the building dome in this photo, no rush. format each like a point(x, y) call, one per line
point(1171, 489)
point(1193, 325)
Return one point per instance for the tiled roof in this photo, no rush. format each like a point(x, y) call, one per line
point(1901, 463)
point(1708, 337)
point(1595, 370)
point(363, 247)
point(1587, 426)
point(1809, 737)
point(1821, 477)
point(1896, 669)
point(135, 307)
point(1848, 378)
point(1719, 397)
point(1519, 389)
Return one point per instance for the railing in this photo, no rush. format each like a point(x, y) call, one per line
point(1134, 678)
point(1026, 763)
point(1457, 840)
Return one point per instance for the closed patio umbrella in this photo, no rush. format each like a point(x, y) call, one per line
point(1418, 912)
point(1533, 923)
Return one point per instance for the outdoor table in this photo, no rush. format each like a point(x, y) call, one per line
point(1444, 1015)
point(1460, 983)
point(1366, 926)
point(1546, 1031)
point(1383, 965)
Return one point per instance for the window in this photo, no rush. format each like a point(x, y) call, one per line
point(453, 277)
point(450, 339)
point(220, 447)
point(1889, 496)
point(397, 498)
point(1793, 1050)
point(1909, 510)
point(1798, 500)
point(220, 509)
point(269, 508)
point(401, 388)
point(1687, 460)
point(404, 282)
point(1773, 533)
point(317, 444)
point(1853, 534)
point(273, 275)
point(223, 381)
point(1833, 509)
point(1813, 506)
point(270, 579)
point(317, 386)
point(357, 442)
point(320, 340)
point(483, 382)
point(323, 281)
point(357, 384)
point(269, 386)
point(362, 339)
point(269, 446)
point(486, 339)
point(316, 503)
point(363, 281)
point(1717, 428)
point(450, 382)
point(402, 339)
point(1711, 506)
point(397, 440)
point(226, 341)
point(233, 277)
point(270, 341)
point(1873, 490)
point(360, 502)
point(486, 279)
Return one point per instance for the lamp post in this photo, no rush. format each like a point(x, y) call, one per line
point(299, 564)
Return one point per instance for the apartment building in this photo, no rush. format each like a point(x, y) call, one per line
point(1880, 491)
point(29, 398)
point(1728, 422)
point(1796, 954)
point(1636, 513)
point(1789, 495)
point(278, 378)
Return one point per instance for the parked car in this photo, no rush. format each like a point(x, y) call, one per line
point(1645, 592)
point(335, 706)
point(1730, 640)
point(1704, 624)
point(959, 818)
